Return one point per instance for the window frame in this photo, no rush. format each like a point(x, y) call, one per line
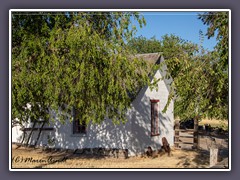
point(77, 128)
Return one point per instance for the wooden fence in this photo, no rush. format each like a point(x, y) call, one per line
point(186, 138)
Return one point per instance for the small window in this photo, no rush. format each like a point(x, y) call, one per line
point(79, 127)
point(154, 117)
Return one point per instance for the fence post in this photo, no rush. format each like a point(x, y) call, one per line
point(213, 156)
point(176, 137)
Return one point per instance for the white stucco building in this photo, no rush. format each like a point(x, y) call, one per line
point(146, 124)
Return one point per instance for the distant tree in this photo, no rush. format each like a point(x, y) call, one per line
point(171, 46)
point(176, 48)
point(78, 59)
point(143, 45)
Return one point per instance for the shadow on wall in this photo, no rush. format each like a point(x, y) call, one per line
point(141, 123)
point(135, 135)
point(106, 135)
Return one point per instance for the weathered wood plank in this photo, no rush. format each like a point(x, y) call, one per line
point(185, 130)
point(186, 138)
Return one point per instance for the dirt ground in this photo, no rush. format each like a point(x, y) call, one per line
point(37, 158)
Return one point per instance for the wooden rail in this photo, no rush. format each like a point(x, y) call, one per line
point(186, 138)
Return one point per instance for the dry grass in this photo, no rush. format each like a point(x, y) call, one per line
point(215, 123)
point(178, 159)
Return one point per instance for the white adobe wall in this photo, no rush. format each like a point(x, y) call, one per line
point(106, 135)
point(16, 134)
point(141, 118)
point(135, 135)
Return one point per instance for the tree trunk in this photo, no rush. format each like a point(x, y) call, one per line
point(195, 140)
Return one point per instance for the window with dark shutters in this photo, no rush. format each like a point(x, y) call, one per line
point(154, 117)
point(78, 126)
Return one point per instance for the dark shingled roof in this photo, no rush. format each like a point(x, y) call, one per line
point(150, 58)
point(156, 58)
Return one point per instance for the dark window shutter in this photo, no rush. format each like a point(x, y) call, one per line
point(154, 117)
point(78, 128)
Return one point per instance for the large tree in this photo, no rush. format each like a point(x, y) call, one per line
point(199, 88)
point(200, 81)
point(218, 23)
point(74, 59)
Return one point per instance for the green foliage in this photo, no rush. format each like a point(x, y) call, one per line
point(200, 84)
point(143, 45)
point(175, 49)
point(81, 59)
point(218, 22)
point(201, 91)
point(75, 59)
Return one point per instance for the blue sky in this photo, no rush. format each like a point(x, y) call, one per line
point(183, 24)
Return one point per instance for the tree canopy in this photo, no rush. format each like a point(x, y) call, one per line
point(143, 45)
point(74, 59)
point(62, 60)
